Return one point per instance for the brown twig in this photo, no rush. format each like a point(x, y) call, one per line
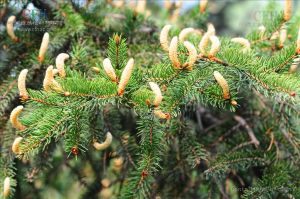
point(251, 134)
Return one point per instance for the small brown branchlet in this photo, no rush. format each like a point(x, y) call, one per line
point(22, 84)
point(10, 28)
point(60, 64)
point(223, 84)
point(14, 118)
point(101, 146)
point(43, 48)
point(126, 74)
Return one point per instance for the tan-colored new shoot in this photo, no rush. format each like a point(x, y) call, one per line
point(157, 92)
point(101, 146)
point(109, 70)
point(223, 84)
point(184, 33)
point(60, 64)
point(192, 55)
point(203, 5)
point(295, 64)
point(163, 37)
point(126, 74)
point(158, 113)
point(22, 84)
point(6, 187)
point(244, 42)
point(16, 145)
point(43, 48)
point(287, 10)
point(215, 46)
point(49, 82)
point(282, 36)
point(14, 118)
point(10, 28)
point(173, 55)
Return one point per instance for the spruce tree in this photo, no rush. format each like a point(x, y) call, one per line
point(116, 99)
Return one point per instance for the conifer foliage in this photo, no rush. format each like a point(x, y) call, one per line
point(135, 103)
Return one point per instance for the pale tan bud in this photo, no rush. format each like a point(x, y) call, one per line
point(22, 84)
point(167, 4)
point(109, 70)
point(176, 11)
point(173, 53)
point(97, 70)
point(141, 6)
point(244, 42)
point(204, 43)
point(287, 10)
point(203, 5)
point(14, 118)
point(282, 36)
point(125, 76)
point(192, 54)
point(43, 48)
point(119, 3)
point(211, 29)
point(60, 64)
point(101, 146)
point(106, 193)
point(158, 113)
point(16, 145)
point(215, 46)
point(49, 81)
point(6, 187)
point(184, 33)
point(10, 28)
point(295, 64)
point(156, 90)
point(163, 38)
point(178, 3)
point(105, 182)
point(223, 84)
point(275, 35)
point(118, 164)
point(205, 39)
